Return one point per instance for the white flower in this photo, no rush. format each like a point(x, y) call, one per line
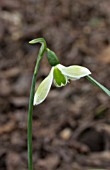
point(60, 74)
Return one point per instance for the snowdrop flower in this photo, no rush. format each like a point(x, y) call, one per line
point(61, 76)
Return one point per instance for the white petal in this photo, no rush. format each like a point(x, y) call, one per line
point(74, 72)
point(43, 89)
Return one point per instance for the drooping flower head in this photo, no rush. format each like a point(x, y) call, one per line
point(60, 75)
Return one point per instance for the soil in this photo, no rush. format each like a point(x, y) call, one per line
point(71, 129)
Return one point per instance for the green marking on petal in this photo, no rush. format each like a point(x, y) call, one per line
point(74, 72)
point(43, 89)
point(59, 78)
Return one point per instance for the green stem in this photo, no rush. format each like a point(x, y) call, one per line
point(30, 110)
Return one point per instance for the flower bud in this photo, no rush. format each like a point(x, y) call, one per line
point(52, 58)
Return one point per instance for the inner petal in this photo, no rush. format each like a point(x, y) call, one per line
point(59, 78)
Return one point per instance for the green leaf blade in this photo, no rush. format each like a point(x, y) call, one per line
point(92, 80)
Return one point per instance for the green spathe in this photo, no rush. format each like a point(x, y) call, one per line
point(38, 40)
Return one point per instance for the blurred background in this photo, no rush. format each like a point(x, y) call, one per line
point(71, 129)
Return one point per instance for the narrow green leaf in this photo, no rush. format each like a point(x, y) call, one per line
point(92, 80)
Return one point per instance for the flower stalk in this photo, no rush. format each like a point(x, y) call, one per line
point(30, 110)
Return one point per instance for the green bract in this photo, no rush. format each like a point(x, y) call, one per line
point(60, 74)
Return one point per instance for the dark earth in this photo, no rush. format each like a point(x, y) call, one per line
point(71, 129)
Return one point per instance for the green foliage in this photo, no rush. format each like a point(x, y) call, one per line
point(92, 80)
